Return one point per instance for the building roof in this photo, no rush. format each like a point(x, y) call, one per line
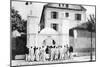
point(66, 6)
point(83, 26)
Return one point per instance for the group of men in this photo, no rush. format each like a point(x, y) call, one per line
point(49, 53)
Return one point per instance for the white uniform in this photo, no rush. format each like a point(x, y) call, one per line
point(40, 55)
point(56, 53)
point(43, 54)
point(65, 52)
point(52, 53)
point(37, 54)
point(62, 53)
point(28, 57)
point(31, 55)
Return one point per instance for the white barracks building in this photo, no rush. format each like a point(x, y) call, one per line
point(56, 21)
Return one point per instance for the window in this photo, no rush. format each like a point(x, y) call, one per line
point(71, 33)
point(62, 5)
point(54, 26)
point(66, 14)
point(54, 15)
point(59, 5)
point(77, 16)
point(66, 5)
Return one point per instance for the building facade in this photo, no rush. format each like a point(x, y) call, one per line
point(59, 17)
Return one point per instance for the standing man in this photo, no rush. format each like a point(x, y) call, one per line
point(52, 53)
point(37, 54)
point(70, 51)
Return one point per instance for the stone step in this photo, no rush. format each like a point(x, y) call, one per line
point(19, 57)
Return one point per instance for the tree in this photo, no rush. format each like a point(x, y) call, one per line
point(17, 22)
point(91, 27)
point(91, 24)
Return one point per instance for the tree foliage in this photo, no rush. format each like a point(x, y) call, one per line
point(17, 22)
point(91, 24)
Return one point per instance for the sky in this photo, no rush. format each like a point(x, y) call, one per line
point(90, 10)
point(24, 10)
point(37, 9)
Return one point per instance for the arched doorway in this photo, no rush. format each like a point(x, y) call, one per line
point(48, 36)
point(49, 41)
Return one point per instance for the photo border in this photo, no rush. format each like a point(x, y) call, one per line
point(46, 63)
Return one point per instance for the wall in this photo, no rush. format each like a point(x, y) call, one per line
point(82, 43)
point(61, 13)
point(64, 23)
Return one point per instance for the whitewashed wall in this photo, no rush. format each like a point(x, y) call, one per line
point(64, 23)
point(32, 30)
point(61, 16)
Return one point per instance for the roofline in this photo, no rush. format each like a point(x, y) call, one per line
point(42, 14)
point(83, 9)
point(51, 2)
point(46, 6)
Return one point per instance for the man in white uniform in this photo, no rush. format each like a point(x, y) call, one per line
point(31, 55)
point(52, 53)
point(49, 42)
point(37, 54)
